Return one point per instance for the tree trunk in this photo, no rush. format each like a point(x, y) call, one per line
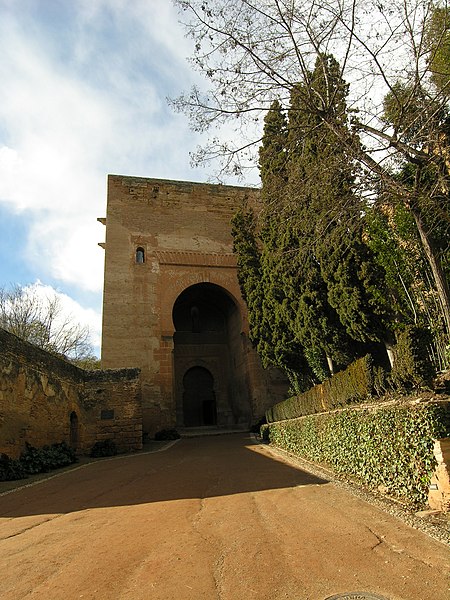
point(439, 277)
point(390, 353)
point(330, 365)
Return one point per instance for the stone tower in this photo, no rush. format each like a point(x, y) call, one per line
point(172, 304)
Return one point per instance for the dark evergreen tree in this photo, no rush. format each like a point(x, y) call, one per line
point(273, 157)
point(311, 286)
point(249, 55)
point(245, 246)
point(321, 184)
point(248, 261)
point(276, 255)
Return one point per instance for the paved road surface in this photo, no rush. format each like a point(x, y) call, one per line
point(210, 518)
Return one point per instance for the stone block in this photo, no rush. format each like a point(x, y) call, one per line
point(439, 490)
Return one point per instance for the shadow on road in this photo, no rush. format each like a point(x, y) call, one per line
point(193, 468)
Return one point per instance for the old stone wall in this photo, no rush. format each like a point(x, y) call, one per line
point(45, 400)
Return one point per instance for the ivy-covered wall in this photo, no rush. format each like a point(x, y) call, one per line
point(384, 444)
point(46, 400)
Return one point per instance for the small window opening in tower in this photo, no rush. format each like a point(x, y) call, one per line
point(140, 256)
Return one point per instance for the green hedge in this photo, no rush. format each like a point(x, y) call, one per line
point(390, 446)
point(355, 384)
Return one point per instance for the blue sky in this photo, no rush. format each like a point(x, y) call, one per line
point(83, 94)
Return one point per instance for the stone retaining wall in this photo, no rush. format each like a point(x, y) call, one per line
point(45, 400)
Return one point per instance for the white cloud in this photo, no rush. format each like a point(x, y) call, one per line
point(73, 114)
point(79, 100)
point(69, 248)
point(71, 310)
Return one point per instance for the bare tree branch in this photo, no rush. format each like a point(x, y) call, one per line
point(43, 322)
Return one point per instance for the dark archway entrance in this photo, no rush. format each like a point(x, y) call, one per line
point(209, 365)
point(199, 399)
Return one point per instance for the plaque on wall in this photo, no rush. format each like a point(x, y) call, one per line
point(107, 413)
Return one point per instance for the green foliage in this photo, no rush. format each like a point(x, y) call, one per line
point(381, 445)
point(262, 256)
point(311, 285)
point(392, 236)
point(11, 469)
point(432, 202)
point(36, 460)
point(320, 180)
point(90, 363)
point(47, 458)
point(438, 42)
point(324, 275)
point(356, 285)
point(408, 108)
point(243, 230)
point(104, 448)
point(273, 152)
point(167, 434)
point(412, 366)
point(422, 122)
point(355, 384)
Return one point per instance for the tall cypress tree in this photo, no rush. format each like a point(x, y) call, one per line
point(312, 289)
point(258, 250)
point(276, 254)
point(355, 284)
point(248, 261)
point(310, 174)
point(273, 156)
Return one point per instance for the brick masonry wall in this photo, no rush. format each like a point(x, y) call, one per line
point(112, 403)
point(40, 392)
point(184, 229)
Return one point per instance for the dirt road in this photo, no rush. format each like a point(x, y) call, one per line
point(210, 518)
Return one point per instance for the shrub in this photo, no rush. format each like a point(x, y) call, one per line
point(264, 432)
point(36, 460)
point(413, 367)
point(256, 428)
point(355, 384)
point(379, 445)
point(104, 448)
point(41, 460)
point(11, 469)
point(167, 434)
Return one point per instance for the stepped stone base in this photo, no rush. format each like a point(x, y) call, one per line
point(186, 432)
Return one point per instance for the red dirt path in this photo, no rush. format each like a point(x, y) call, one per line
point(210, 518)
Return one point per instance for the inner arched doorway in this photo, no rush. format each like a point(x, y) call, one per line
point(209, 365)
point(199, 399)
